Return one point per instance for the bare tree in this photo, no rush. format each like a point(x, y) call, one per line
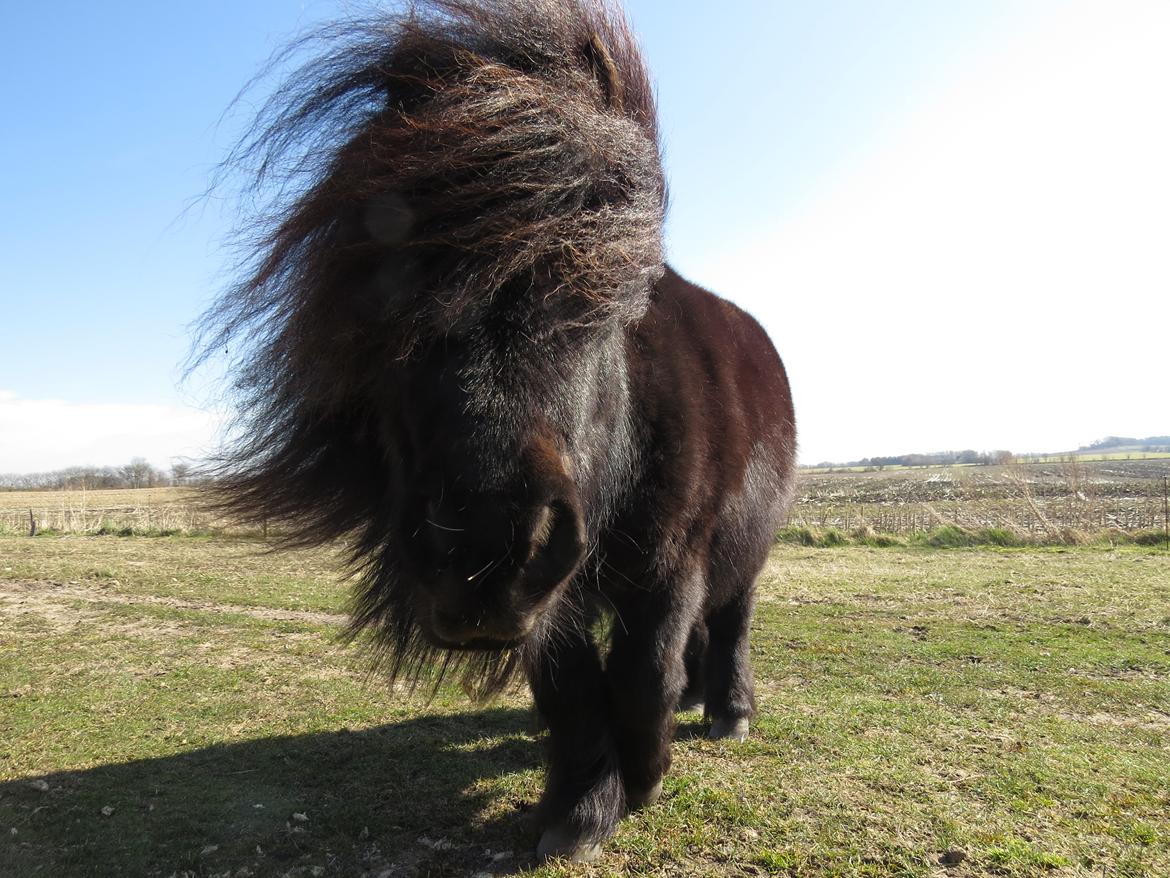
point(138, 473)
point(180, 472)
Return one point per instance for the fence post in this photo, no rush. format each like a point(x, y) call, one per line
point(32, 524)
point(1166, 510)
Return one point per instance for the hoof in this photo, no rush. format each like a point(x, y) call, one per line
point(690, 702)
point(729, 729)
point(560, 841)
point(635, 800)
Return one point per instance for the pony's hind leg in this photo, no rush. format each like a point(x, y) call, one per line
point(730, 690)
point(694, 660)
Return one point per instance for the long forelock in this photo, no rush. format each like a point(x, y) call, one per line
point(442, 157)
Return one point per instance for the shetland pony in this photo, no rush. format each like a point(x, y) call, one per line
point(458, 348)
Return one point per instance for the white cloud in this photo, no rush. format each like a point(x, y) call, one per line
point(996, 274)
point(38, 435)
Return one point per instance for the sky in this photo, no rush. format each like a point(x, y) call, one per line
point(953, 219)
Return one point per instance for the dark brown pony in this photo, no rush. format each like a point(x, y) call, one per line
point(459, 349)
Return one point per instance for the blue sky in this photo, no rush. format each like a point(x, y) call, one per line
point(910, 195)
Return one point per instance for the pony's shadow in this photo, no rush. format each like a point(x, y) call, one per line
point(441, 794)
point(691, 728)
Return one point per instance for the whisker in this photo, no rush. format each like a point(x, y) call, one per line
point(454, 530)
point(613, 569)
point(482, 569)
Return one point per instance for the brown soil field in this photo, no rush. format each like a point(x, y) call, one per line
point(1040, 499)
point(1036, 501)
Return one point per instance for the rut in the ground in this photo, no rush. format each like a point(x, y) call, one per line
point(51, 599)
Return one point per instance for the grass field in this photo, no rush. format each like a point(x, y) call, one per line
point(180, 706)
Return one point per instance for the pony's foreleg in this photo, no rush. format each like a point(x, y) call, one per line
point(647, 674)
point(583, 798)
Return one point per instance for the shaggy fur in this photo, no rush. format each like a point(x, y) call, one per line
point(456, 346)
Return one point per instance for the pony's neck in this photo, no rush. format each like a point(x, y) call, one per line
point(608, 446)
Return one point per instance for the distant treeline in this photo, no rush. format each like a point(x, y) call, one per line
point(938, 458)
point(988, 458)
point(1150, 443)
point(138, 473)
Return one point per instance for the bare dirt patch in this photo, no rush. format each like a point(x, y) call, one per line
point(56, 602)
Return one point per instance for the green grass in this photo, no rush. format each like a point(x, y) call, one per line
point(1008, 704)
point(951, 536)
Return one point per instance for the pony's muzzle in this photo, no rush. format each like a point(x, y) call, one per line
point(494, 596)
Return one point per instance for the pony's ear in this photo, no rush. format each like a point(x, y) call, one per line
point(605, 72)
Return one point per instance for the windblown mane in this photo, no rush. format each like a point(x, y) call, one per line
point(421, 169)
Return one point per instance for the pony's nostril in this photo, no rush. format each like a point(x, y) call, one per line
point(556, 545)
point(542, 529)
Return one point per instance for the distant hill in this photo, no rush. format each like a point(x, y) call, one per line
point(1126, 443)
